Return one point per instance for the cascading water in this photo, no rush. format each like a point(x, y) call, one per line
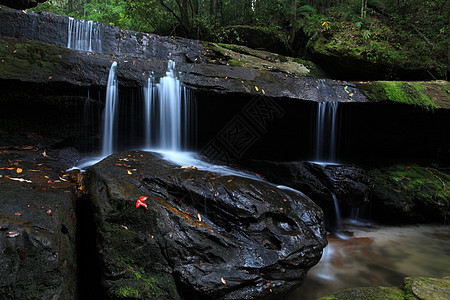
point(168, 113)
point(326, 131)
point(84, 35)
point(110, 112)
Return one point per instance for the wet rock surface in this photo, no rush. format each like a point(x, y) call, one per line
point(202, 235)
point(350, 184)
point(32, 51)
point(37, 225)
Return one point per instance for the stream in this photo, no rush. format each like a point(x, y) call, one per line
point(377, 255)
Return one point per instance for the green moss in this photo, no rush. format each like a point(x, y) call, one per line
point(127, 292)
point(429, 95)
point(241, 56)
point(413, 186)
point(422, 287)
point(37, 60)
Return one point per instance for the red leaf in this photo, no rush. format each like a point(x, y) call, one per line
point(141, 202)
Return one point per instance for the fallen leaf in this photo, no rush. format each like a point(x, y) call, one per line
point(230, 180)
point(20, 179)
point(262, 90)
point(13, 233)
point(124, 227)
point(141, 202)
point(188, 167)
point(49, 211)
point(199, 217)
point(129, 172)
point(223, 280)
point(256, 88)
point(18, 214)
point(351, 94)
point(19, 170)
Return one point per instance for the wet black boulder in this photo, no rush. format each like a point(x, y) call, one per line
point(202, 235)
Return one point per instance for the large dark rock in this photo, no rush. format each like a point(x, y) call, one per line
point(204, 235)
point(350, 184)
point(37, 227)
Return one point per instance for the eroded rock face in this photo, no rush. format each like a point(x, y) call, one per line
point(211, 236)
point(37, 227)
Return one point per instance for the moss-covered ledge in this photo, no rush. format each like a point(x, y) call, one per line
point(413, 288)
point(245, 57)
point(426, 94)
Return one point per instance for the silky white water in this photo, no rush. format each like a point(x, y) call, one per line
point(84, 35)
point(169, 119)
point(326, 131)
point(110, 113)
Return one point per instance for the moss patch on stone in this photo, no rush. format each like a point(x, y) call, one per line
point(244, 57)
point(412, 289)
point(429, 95)
point(36, 59)
point(413, 188)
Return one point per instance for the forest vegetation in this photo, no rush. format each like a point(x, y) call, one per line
point(387, 31)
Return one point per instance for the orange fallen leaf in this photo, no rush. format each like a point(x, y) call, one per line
point(223, 280)
point(18, 214)
point(49, 211)
point(19, 170)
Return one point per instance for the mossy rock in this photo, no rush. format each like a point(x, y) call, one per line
point(413, 288)
point(411, 192)
point(429, 95)
point(242, 56)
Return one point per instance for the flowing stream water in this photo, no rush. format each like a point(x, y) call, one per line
point(377, 256)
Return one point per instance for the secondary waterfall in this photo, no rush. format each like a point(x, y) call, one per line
point(84, 35)
point(326, 131)
point(110, 111)
point(169, 112)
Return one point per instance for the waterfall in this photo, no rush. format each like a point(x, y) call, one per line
point(110, 111)
point(337, 213)
point(326, 131)
point(84, 35)
point(168, 120)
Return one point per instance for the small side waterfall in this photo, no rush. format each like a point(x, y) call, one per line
point(110, 111)
point(168, 109)
point(337, 213)
point(84, 35)
point(326, 131)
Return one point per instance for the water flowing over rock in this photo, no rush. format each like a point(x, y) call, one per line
point(212, 236)
point(320, 182)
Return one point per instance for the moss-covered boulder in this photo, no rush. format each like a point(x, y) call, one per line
point(409, 192)
point(413, 288)
point(429, 95)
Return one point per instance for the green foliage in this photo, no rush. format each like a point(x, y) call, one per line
point(392, 33)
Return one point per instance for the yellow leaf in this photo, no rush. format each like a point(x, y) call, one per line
point(256, 88)
point(19, 170)
point(129, 172)
point(262, 90)
point(223, 280)
point(199, 217)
